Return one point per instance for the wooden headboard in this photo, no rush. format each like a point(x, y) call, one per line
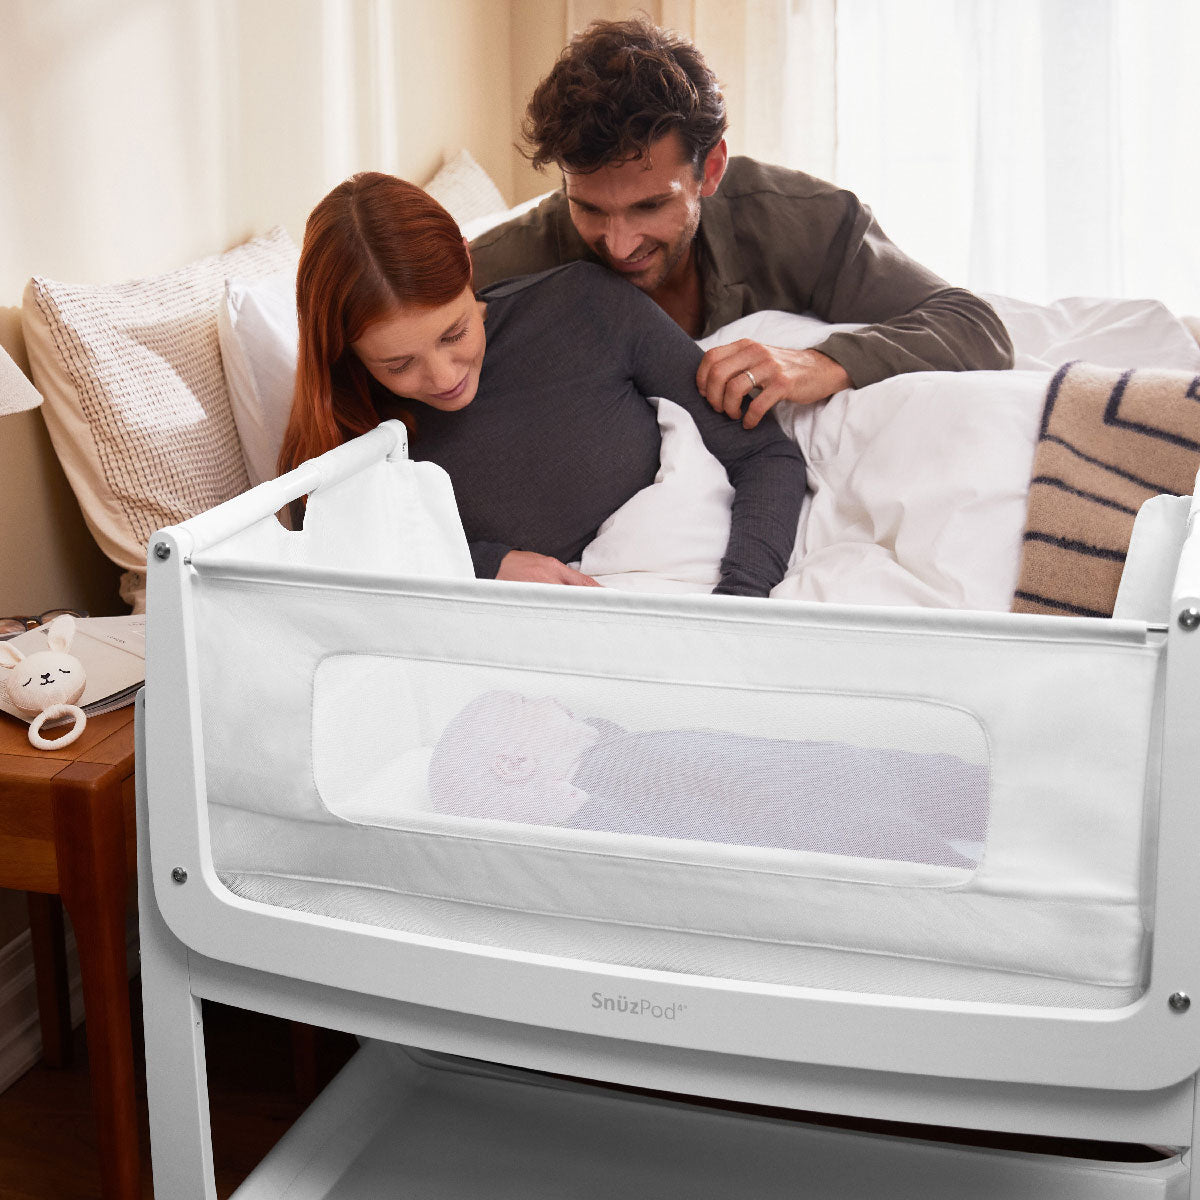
point(47, 556)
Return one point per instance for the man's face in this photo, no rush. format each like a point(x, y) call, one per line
point(640, 216)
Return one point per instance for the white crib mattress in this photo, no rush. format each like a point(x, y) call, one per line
point(881, 927)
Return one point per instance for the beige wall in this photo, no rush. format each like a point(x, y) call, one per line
point(138, 134)
point(539, 31)
point(393, 85)
point(109, 150)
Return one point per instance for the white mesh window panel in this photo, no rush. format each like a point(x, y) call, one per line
point(864, 777)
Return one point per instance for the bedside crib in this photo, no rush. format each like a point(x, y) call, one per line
point(292, 861)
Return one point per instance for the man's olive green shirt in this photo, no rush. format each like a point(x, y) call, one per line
point(771, 238)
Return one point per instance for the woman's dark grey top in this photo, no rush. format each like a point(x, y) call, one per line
point(560, 433)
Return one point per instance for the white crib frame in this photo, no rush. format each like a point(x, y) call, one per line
point(1128, 1074)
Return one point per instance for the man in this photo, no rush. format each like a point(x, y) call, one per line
point(635, 121)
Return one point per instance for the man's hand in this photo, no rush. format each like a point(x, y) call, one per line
point(728, 373)
point(527, 567)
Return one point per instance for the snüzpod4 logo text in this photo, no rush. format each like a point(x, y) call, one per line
point(634, 1006)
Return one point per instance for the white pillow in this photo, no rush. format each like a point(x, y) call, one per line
point(479, 225)
point(919, 489)
point(258, 332)
point(793, 331)
point(135, 396)
point(675, 530)
point(1109, 333)
point(465, 190)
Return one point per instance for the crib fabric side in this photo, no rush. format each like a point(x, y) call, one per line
point(1055, 919)
point(1053, 912)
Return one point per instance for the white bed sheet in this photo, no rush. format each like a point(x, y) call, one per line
point(918, 483)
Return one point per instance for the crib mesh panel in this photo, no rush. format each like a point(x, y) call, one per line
point(785, 770)
point(1052, 905)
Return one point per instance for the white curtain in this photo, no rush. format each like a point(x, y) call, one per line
point(1037, 148)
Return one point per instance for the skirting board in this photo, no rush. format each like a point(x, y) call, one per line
point(20, 1033)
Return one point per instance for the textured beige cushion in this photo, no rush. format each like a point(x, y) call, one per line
point(465, 190)
point(135, 396)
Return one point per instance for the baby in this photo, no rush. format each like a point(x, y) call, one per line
point(509, 757)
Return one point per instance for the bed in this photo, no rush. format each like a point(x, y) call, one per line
point(297, 856)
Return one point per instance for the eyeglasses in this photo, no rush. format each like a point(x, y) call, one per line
point(11, 626)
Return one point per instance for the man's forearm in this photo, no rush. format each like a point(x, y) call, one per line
point(953, 330)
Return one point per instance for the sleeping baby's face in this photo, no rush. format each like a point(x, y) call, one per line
point(510, 757)
point(539, 735)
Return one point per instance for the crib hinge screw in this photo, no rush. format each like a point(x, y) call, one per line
point(1179, 1002)
point(1189, 618)
point(180, 876)
point(162, 551)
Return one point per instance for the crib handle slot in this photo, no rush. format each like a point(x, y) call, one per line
point(387, 440)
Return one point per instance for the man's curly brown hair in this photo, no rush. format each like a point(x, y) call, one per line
point(618, 87)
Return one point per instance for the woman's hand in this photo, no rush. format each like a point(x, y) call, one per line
point(728, 373)
point(527, 567)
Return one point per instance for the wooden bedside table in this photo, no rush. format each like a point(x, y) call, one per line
point(67, 830)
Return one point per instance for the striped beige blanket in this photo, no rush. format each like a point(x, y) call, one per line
point(1109, 440)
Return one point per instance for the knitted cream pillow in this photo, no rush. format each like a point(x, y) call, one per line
point(465, 190)
point(135, 396)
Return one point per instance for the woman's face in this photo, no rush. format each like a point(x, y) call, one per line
point(433, 355)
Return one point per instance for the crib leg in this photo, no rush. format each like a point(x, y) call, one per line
point(176, 1072)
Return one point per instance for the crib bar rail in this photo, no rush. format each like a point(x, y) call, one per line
point(389, 440)
point(1186, 592)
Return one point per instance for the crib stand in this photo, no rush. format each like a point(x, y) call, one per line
point(564, 1012)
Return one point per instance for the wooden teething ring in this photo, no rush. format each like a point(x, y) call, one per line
point(50, 714)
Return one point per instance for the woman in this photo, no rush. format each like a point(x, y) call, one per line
point(532, 396)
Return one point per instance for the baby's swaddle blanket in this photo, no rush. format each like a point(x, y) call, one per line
point(512, 757)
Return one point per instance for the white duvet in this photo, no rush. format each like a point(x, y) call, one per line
point(917, 484)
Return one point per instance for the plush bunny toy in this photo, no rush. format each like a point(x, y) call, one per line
point(46, 684)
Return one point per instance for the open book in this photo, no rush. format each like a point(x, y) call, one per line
point(113, 653)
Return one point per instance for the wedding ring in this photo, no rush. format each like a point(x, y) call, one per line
point(753, 381)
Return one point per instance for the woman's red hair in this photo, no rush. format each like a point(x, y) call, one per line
point(374, 243)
